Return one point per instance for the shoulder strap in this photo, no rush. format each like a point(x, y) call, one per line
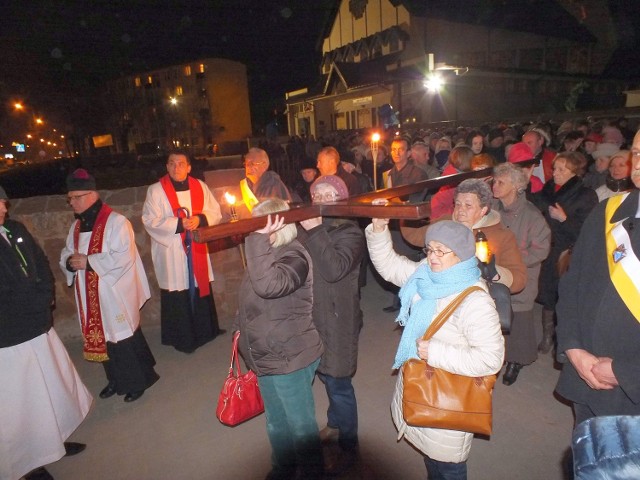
point(444, 315)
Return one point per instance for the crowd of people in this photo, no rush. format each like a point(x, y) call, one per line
point(299, 302)
point(545, 184)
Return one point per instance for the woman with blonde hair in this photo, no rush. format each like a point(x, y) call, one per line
point(280, 343)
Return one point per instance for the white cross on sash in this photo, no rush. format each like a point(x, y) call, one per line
point(624, 265)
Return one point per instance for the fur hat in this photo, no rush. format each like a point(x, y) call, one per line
point(456, 236)
point(80, 180)
point(3, 194)
point(612, 135)
point(335, 181)
point(543, 133)
point(605, 150)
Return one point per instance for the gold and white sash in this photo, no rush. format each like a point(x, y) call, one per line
point(248, 197)
point(624, 265)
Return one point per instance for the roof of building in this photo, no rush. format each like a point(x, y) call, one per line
point(542, 17)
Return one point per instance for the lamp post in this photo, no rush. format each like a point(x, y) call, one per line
point(375, 140)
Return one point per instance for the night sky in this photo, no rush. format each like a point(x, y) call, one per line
point(55, 55)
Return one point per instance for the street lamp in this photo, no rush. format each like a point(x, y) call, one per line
point(433, 83)
point(375, 140)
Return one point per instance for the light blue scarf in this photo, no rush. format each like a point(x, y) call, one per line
point(429, 286)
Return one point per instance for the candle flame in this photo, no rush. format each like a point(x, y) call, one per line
point(375, 137)
point(482, 251)
point(231, 199)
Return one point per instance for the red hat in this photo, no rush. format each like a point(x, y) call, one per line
point(520, 152)
point(593, 137)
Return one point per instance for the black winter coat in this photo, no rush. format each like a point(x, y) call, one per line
point(27, 297)
point(577, 202)
point(592, 316)
point(277, 334)
point(337, 248)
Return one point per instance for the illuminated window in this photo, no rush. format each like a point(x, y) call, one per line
point(201, 68)
point(187, 70)
point(138, 82)
point(178, 90)
point(150, 80)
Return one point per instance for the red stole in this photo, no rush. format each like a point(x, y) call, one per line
point(198, 250)
point(95, 345)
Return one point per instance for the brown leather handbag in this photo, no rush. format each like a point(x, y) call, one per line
point(435, 398)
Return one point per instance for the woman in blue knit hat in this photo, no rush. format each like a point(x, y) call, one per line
point(469, 343)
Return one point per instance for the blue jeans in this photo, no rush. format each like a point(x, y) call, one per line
point(437, 470)
point(343, 409)
point(291, 421)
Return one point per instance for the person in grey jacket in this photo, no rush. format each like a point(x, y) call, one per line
point(337, 248)
point(534, 242)
point(280, 343)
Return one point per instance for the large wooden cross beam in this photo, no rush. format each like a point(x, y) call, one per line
point(356, 206)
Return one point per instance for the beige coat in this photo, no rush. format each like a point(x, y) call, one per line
point(469, 343)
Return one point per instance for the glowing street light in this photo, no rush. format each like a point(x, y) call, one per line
point(433, 83)
point(18, 106)
point(173, 101)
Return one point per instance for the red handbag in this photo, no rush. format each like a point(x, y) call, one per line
point(240, 397)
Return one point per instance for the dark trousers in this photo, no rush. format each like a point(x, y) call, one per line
point(343, 409)
point(437, 470)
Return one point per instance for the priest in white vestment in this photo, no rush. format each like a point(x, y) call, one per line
point(101, 261)
point(176, 206)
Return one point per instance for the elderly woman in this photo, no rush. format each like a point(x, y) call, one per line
point(472, 208)
point(618, 180)
point(469, 343)
point(534, 240)
point(279, 342)
point(565, 203)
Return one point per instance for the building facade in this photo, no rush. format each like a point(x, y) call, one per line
point(193, 105)
point(513, 59)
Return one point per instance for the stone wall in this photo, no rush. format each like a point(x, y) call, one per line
point(48, 218)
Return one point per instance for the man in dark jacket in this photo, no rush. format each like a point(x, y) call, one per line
point(337, 247)
point(599, 309)
point(43, 399)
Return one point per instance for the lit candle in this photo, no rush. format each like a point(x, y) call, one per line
point(231, 201)
point(482, 247)
point(375, 139)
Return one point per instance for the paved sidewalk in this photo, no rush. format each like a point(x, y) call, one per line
point(172, 433)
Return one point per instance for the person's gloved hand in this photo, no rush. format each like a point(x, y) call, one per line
point(488, 270)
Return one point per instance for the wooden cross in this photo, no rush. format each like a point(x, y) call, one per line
point(356, 206)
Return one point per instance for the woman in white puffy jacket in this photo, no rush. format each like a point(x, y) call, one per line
point(469, 343)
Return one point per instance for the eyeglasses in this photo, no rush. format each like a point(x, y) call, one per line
point(325, 197)
point(250, 164)
point(438, 253)
point(72, 198)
